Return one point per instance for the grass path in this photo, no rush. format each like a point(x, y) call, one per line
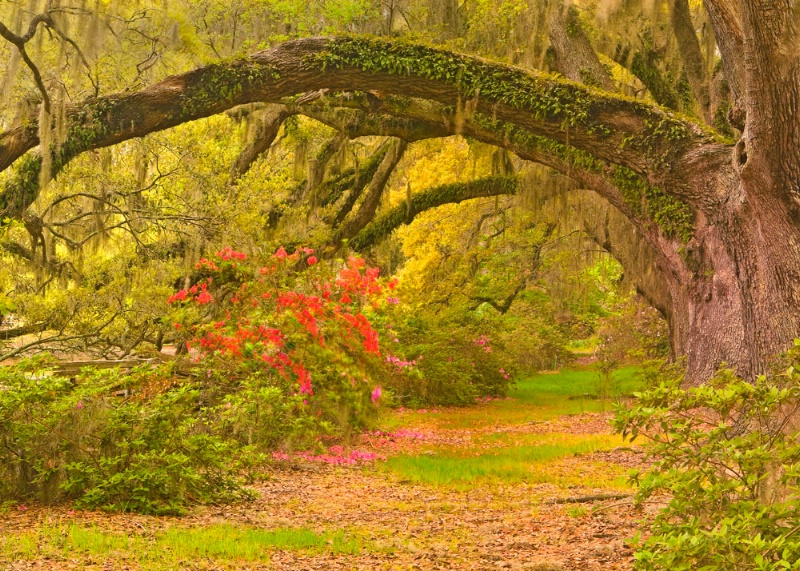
point(462, 489)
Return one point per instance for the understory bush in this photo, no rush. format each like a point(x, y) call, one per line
point(443, 362)
point(276, 357)
point(727, 462)
point(73, 439)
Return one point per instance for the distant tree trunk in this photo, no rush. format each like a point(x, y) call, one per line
point(693, 63)
point(575, 57)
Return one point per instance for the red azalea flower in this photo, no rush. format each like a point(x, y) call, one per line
point(204, 298)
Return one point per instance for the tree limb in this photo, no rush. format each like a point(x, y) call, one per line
point(360, 177)
point(693, 64)
point(611, 128)
point(267, 127)
point(20, 41)
point(376, 189)
point(453, 193)
point(501, 307)
point(726, 20)
point(14, 332)
point(575, 57)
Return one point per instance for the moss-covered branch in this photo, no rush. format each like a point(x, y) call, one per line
point(431, 198)
point(353, 181)
point(639, 136)
point(643, 202)
point(377, 187)
point(267, 127)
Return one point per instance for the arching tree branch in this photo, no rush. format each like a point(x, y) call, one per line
point(503, 306)
point(354, 183)
point(638, 136)
point(318, 165)
point(376, 189)
point(267, 127)
point(20, 41)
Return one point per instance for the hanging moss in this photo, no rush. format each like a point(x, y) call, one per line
point(86, 127)
point(351, 179)
point(672, 215)
point(23, 188)
point(659, 87)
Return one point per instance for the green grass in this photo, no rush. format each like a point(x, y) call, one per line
point(218, 542)
point(517, 456)
point(541, 397)
point(468, 467)
point(558, 387)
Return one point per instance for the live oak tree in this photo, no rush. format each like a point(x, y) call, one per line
point(709, 198)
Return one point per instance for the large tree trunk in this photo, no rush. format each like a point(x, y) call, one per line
point(740, 297)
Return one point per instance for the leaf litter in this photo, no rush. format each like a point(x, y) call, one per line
point(400, 524)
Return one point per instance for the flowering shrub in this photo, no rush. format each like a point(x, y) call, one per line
point(278, 358)
point(303, 337)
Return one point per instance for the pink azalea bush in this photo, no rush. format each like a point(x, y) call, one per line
point(295, 334)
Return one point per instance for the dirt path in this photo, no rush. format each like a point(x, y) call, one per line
point(406, 523)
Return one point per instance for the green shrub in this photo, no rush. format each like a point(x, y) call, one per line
point(444, 362)
point(76, 440)
point(727, 460)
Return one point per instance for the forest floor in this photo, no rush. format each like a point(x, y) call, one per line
point(485, 487)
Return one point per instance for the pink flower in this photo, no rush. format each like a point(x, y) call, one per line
point(311, 260)
point(22, 508)
point(376, 394)
point(393, 300)
point(304, 379)
point(79, 405)
point(229, 253)
point(227, 406)
point(280, 254)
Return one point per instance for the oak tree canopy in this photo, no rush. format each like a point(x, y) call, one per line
point(699, 160)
